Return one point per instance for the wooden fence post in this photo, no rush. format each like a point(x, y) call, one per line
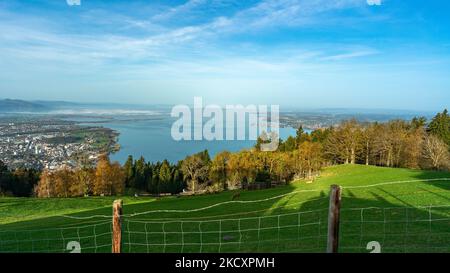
point(334, 219)
point(117, 227)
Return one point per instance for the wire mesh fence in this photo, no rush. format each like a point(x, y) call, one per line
point(396, 229)
point(293, 232)
point(294, 229)
point(87, 238)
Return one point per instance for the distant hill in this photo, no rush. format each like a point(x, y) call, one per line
point(9, 105)
point(57, 104)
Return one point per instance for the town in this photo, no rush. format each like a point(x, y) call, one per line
point(52, 144)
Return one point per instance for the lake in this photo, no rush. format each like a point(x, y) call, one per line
point(152, 139)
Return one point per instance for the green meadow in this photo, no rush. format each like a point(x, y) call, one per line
point(401, 210)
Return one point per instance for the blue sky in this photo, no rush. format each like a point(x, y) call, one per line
point(303, 53)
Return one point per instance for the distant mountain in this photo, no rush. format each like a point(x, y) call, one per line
point(9, 105)
point(57, 104)
point(65, 107)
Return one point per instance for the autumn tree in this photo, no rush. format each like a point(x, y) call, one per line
point(390, 143)
point(44, 189)
point(283, 168)
point(109, 178)
point(368, 136)
point(411, 155)
point(344, 142)
point(435, 153)
point(308, 159)
point(62, 181)
point(218, 170)
point(83, 182)
point(195, 170)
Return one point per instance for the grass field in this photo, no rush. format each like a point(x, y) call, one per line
point(403, 210)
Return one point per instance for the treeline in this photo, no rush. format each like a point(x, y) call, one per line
point(20, 182)
point(416, 144)
point(106, 179)
point(155, 178)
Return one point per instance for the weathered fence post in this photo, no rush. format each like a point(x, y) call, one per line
point(334, 219)
point(117, 227)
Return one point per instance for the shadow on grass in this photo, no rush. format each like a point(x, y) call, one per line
point(283, 220)
point(410, 217)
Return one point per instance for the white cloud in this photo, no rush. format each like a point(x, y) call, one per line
point(350, 55)
point(194, 50)
point(179, 10)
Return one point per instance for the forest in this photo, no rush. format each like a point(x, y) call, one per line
point(415, 144)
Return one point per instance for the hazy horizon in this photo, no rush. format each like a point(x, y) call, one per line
point(65, 105)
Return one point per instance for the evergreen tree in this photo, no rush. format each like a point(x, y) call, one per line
point(129, 171)
point(418, 122)
point(440, 126)
point(5, 178)
point(140, 178)
point(320, 135)
point(301, 136)
point(165, 177)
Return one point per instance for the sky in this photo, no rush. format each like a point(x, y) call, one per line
point(384, 54)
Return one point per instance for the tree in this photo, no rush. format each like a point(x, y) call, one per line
point(22, 182)
point(19, 182)
point(344, 143)
point(44, 188)
point(129, 171)
point(218, 170)
point(109, 178)
point(153, 177)
point(178, 183)
point(389, 143)
point(289, 145)
point(435, 153)
point(301, 136)
point(195, 170)
point(283, 169)
point(249, 165)
point(84, 181)
point(368, 135)
point(204, 156)
point(413, 144)
point(165, 177)
point(440, 126)
point(62, 182)
point(418, 122)
point(321, 135)
point(5, 177)
point(398, 134)
point(117, 179)
point(308, 159)
point(140, 178)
